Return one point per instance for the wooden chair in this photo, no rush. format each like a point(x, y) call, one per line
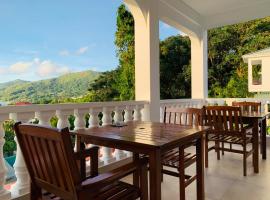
point(55, 168)
point(178, 158)
point(226, 127)
point(248, 106)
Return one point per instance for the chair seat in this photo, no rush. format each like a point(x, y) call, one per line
point(171, 159)
point(229, 139)
point(118, 191)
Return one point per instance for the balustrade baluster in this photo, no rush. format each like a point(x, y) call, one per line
point(94, 122)
point(63, 116)
point(22, 185)
point(4, 194)
point(118, 117)
point(79, 122)
point(44, 117)
point(128, 118)
point(107, 120)
point(137, 113)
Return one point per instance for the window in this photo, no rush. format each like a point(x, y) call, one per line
point(257, 73)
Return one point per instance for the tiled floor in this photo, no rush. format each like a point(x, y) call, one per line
point(224, 180)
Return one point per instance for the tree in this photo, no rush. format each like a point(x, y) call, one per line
point(175, 69)
point(125, 45)
point(227, 71)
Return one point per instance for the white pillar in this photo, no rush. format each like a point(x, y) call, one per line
point(147, 86)
point(199, 66)
point(4, 194)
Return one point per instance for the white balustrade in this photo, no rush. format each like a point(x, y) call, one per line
point(22, 185)
point(106, 151)
point(63, 116)
point(44, 113)
point(118, 117)
point(4, 194)
point(93, 123)
point(44, 117)
point(137, 113)
point(128, 118)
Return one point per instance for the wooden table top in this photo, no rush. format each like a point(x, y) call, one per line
point(255, 114)
point(148, 134)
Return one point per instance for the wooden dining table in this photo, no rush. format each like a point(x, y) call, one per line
point(254, 118)
point(152, 139)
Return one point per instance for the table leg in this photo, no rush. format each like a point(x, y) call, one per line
point(256, 145)
point(200, 169)
point(263, 142)
point(136, 173)
point(155, 175)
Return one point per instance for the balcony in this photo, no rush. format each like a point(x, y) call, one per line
point(224, 178)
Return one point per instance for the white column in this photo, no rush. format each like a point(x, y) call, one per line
point(93, 123)
point(199, 66)
point(106, 151)
point(44, 117)
point(63, 116)
point(22, 185)
point(4, 194)
point(147, 86)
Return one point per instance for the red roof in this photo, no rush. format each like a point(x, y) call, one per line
point(22, 103)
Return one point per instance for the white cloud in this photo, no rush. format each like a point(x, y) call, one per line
point(48, 68)
point(43, 69)
point(64, 53)
point(20, 67)
point(82, 50)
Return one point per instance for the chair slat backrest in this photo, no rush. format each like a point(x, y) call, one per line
point(248, 106)
point(183, 116)
point(49, 158)
point(226, 119)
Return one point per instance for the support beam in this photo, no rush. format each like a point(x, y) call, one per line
point(147, 86)
point(199, 66)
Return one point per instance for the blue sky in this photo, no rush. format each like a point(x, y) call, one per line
point(46, 38)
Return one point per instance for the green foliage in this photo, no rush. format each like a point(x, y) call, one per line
point(125, 45)
point(10, 144)
point(227, 45)
point(175, 68)
point(48, 91)
point(118, 84)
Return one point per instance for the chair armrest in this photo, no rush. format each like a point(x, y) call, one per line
point(93, 154)
point(92, 151)
point(107, 178)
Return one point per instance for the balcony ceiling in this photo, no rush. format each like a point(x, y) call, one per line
point(196, 15)
point(223, 12)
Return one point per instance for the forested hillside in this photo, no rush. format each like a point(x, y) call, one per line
point(71, 85)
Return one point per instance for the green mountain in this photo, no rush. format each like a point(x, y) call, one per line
point(70, 85)
point(10, 83)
